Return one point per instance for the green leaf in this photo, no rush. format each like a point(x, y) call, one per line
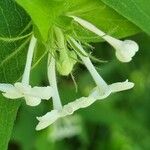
point(15, 34)
point(137, 11)
point(43, 13)
point(14, 26)
point(48, 13)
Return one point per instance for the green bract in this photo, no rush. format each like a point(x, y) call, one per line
point(66, 58)
point(65, 64)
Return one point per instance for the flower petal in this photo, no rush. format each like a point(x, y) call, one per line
point(77, 104)
point(32, 101)
point(121, 86)
point(6, 87)
point(37, 92)
point(98, 94)
point(41, 92)
point(47, 119)
point(23, 88)
point(126, 50)
point(13, 95)
point(10, 91)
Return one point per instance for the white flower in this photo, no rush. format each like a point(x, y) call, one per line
point(32, 96)
point(112, 88)
point(95, 95)
point(102, 86)
point(68, 109)
point(83, 102)
point(52, 116)
point(21, 89)
point(125, 50)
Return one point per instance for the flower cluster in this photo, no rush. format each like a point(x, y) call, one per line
point(62, 56)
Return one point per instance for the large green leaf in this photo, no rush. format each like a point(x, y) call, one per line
point(137, 11)
point(47, 13)
point(14, 26)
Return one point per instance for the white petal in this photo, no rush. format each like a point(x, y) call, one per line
point(12, 95)
point(10, 91)
point(37, 92)
point(127, 50)
point(130, 46)
point(6, 87)
point(122, 57)
point(23, 88)
point(47, 119)
point(42, 92)
point(77, 104)
point(121, 86)
point(32, 101)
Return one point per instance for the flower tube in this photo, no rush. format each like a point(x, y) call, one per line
point(125, 50)
point(102, 86)
point(21, 89)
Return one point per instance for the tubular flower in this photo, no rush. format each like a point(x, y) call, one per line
point(101, 91)
point(83, 102)
point(33, 95)
point(125, 50)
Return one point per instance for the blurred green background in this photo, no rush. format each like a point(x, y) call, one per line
point(120, 122)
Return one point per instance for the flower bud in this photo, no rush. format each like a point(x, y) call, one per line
point(65, 64)
point(125, 50)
